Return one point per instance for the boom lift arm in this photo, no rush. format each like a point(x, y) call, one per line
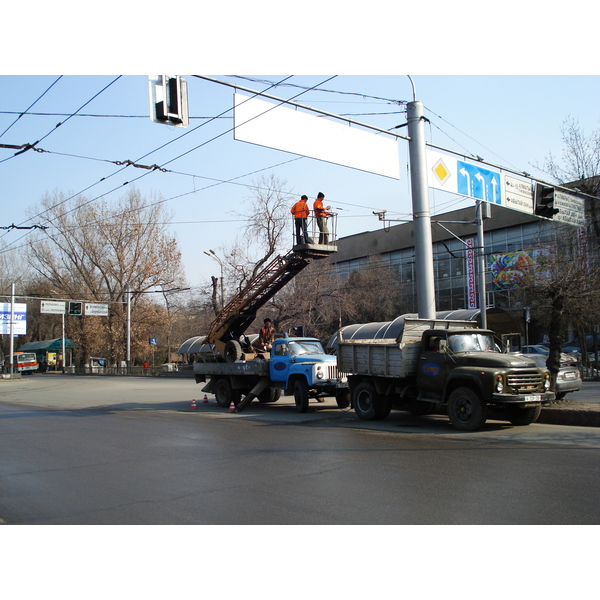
point(227, 330)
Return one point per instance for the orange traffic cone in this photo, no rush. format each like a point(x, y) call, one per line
point(232, 407)
point(193, 404)
point(205, 401)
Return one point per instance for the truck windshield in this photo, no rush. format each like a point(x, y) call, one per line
point(306, 347)
point(471, 342)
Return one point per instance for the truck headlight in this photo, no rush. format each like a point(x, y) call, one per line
point(546, 381)
point(499, 384)
point(320, 374)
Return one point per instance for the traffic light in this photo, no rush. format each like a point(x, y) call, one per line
point(76, 308)
point(544, 201)
point(168, 100)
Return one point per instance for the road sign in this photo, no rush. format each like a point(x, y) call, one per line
point(570, 209)
point(153, 341)
point(51, 307)
point(478, 182)
point(96, 310)
point(447, 173)
point(518, 194)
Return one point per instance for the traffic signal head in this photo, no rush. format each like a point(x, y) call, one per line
point(544, 201)
point(75, 308)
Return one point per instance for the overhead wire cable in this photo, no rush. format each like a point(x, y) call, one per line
point(26, 111)
point(122, 169)
point(30, 146)
point(144, 174)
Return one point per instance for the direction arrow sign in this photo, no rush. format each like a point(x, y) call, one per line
point(479, 183)
point(50, 307)
point(518, 194)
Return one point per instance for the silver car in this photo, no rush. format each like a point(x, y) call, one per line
point(569, 376)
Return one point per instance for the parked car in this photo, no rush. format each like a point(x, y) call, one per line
point(535, 349)
point(569, 376)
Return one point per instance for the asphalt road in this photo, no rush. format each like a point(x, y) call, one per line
point(107, 450)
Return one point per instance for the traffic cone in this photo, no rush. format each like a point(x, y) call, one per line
point(232, 407)
point(193, 404)
point(205, 401)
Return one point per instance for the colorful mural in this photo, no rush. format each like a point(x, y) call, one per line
point(510, 269)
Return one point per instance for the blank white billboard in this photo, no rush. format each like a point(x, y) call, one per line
point(283, 128)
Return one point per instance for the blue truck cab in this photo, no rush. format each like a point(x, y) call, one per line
point(301, 367)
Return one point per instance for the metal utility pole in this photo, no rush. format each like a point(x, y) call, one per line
point(421, 211)
point(12, 328)
point(128, 296)
point(481, 263)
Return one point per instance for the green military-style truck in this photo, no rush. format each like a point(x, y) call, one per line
point(435, 363)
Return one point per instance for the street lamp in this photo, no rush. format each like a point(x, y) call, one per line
point(212, 254)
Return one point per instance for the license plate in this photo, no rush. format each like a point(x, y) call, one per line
point(569, 375)
point(534, 398)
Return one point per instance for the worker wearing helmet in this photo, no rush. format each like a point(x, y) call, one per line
point(300, 212)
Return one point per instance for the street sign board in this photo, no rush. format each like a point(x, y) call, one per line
point(518, 194)
point(477, 182)
point(570, 209)
point(266, 124)
point(19, 321)
point(51, 307)
point(446, 172)
point(96, 310)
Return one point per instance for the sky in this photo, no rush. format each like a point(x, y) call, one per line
point(511, 121)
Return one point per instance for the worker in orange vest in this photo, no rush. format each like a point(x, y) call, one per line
point(300, 212)
point(321, 214)
point(267, 335)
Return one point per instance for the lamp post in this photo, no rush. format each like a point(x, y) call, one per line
point(212, 254)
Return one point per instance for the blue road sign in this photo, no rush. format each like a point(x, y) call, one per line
point(479, 183)
point(153, 341)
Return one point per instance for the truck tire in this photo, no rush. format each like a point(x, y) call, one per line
point(301, 395)
point(225, 394)
point(466, 410)
point(233, 351)
point(523, 416)
point(269, 395)
point(368, 404)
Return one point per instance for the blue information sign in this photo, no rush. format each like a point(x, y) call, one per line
point(479, 183)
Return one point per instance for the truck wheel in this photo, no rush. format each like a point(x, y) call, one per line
point(342, 398)
point(269, 395)
point(233, 351)
point(365, 400)
point(224, 393)
point(301, 395)
point(466, 410)
point(523, 416)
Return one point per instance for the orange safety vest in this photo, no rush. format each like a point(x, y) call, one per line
point(266, 334)
point(319, 210)
point(300, 210)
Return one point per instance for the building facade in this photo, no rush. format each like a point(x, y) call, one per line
point(510, 241)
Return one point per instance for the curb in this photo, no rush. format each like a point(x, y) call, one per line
point(560, 416)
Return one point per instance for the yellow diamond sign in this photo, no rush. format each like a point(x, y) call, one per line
point(441, 172)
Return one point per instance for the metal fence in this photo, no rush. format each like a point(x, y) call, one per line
point(168, 370)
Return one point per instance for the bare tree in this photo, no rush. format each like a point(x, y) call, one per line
point(96, 252)
point(268, 226)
